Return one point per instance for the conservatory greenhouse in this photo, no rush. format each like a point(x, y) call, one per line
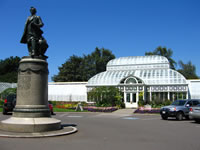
point(142, 77)
point(139, 78)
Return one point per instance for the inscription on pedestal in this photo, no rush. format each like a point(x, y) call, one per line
point(24, 85)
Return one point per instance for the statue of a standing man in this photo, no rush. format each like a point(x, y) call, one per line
point(32, 35)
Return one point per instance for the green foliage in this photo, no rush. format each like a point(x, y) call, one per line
point(8, 69)
point(158, 103)
point(66, 110)
point(141, 102)
point(7, 92)
point(83, 68)
point(1, 102)
point(141, 94)
point(167, 102)
point(106, 96)
point(64, 104)
point(163, 51)
point(70, 71)
point(188, 70)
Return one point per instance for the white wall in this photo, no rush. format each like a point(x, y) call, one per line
point(67, 91)
point(194, 88)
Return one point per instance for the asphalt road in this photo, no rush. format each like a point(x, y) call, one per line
point(99, 131)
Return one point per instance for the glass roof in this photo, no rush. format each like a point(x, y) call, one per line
point(149, 77)
point(152, 70)
point(138, 60)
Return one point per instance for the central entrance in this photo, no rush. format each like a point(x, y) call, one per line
point(131, 100)
point(131, 87)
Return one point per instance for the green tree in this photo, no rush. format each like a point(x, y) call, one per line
point(71, 70)
point(7, 92)
point(188, 70)
point(83, 68)
point(96, 62)
point(9, 69)
point(163, 51)
point(105, 96)
point(100, 59)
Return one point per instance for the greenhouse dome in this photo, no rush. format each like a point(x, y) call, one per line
point(150, 75)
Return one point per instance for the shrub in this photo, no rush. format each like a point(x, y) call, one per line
point(143, 110)
point(1, 102)
point(141, 102)
point(106, 96)
point(8, 91)
point(122, 105)
point(158, 103)
point(167, 102)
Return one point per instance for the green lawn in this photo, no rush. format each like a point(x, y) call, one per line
point(66, 110)
point(57, 110)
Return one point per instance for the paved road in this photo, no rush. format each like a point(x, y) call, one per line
point(100, 131)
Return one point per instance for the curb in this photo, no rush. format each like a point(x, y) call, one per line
point(64, 131)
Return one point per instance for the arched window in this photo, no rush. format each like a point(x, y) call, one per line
point(131, 80)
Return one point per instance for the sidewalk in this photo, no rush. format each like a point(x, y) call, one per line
point(124, 111)
point(117, 114)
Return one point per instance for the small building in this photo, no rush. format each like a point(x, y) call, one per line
point(146, 77)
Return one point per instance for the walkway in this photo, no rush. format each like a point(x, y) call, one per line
point(124, 111)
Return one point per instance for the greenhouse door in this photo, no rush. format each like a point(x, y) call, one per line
point(131, 100)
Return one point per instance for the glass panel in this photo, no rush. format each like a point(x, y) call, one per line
point(131, 81)
point(149, 76)
point(128, 97)
point(134, 97)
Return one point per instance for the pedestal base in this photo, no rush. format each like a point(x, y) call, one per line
point(30, 125)
point(31, 113)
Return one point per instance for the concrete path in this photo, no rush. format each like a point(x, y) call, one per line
point(116, 114)
point(124, 111)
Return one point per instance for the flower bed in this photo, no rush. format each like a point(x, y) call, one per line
point(91, 108)
point(64, 107)
point(143, 110)
point(100, 109)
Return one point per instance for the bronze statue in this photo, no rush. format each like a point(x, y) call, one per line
point(32, 35)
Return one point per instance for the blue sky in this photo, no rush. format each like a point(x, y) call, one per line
point(126, 27)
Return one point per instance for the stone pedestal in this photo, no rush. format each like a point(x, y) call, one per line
point(32, 113)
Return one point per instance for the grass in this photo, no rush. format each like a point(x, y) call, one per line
point(66, 110)
point(58, 110)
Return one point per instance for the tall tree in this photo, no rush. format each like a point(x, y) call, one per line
point(163, 51)
point(83, 68)
point(188, 70)
point(70, 71)
point(100, 59)
point(8, 69)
